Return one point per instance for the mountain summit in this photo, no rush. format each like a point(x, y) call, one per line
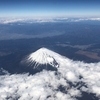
point(44, 56)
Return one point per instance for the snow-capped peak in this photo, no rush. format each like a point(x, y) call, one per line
point(45, 56)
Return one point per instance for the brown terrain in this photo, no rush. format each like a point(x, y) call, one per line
point(89, 54)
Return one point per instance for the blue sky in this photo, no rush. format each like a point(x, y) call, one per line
point(50, 8)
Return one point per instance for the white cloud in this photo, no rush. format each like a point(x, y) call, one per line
point(41, 20)
point(67, 83)
point(71, 76)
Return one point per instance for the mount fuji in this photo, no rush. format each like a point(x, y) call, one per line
point(44, 56)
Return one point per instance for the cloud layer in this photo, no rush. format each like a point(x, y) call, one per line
point(41, 20)
point(67, 83)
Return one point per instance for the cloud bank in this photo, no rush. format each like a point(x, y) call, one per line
point(42, 20)
point(71, 79)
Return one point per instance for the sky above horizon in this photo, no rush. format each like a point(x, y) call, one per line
point(49, 8)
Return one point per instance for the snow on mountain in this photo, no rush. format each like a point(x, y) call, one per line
point(45, 56)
